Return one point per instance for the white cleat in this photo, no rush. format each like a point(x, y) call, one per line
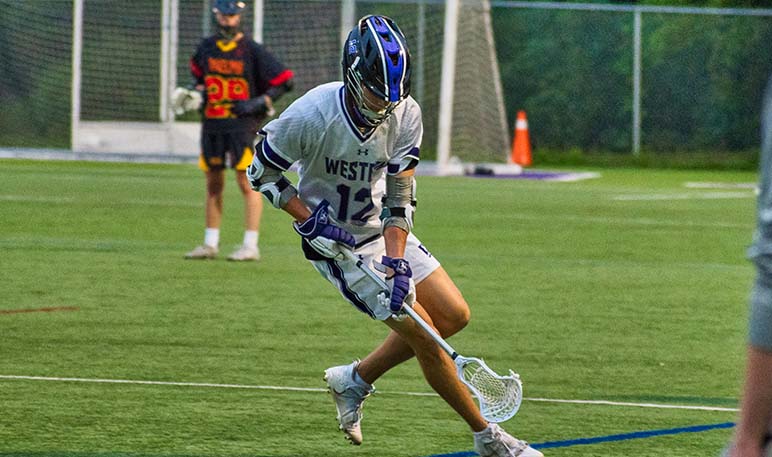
point(495, 442)
point(349, 397)
point(245, 253)
point(202, 252)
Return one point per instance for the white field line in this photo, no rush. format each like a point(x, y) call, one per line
point(638, 405)
point(686, 196)
point(625, 221)
point(133, 202)
point(667, 223)
point(720, 185)
point(163, 383)
point(312, 389)
point(29, 199)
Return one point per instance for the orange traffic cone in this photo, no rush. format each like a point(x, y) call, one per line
point(521, 145)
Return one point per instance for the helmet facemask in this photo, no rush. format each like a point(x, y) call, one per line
point(373, 109)
point(376, 68)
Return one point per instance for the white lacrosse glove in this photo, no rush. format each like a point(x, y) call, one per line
point(184, 100)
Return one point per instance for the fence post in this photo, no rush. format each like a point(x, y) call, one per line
point(419, 54)
point(77, 58)
point(166, 63)
point(257, 21)
point(347, 19)
point(206, 18)
point(446, 85)
point(637, 82)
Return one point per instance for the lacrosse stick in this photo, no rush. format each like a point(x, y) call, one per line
point(498, 396)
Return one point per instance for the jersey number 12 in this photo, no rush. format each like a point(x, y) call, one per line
point(363, 196)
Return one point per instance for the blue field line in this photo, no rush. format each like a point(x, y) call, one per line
point(607, 438)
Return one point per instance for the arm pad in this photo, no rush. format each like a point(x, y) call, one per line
point(257, 106)
point(398, 203)
point(277, 91)
point(270, 182)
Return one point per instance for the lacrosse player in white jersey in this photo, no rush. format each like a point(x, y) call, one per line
point(753, 436)
point(356, 145)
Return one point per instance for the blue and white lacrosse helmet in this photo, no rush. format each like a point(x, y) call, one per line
point(376, 58)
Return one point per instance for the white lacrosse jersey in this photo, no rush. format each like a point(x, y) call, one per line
point(336, 162)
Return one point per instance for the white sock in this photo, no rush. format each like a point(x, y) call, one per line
point(212, 237)
point(485, 431)
point(358, 379)
point(250, 238)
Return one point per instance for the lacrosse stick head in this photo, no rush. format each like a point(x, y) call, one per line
point(499, 397)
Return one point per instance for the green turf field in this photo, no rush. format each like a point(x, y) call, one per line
point(631, 288)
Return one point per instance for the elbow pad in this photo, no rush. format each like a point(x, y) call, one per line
point(271, 183)
point(277, 91)
point(399, 203)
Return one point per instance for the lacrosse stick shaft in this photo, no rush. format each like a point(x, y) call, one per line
point(507, 390)
point(430, 330)
point(409, 310)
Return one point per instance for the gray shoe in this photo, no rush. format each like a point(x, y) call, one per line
point(245, 253)
point(349, 397)
point(495, 442)
point(202, 252)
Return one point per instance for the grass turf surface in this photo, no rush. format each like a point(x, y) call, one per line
point(588, 296)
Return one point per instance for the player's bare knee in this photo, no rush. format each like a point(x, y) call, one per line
point(214, 185)
point(214, 192)
point(460, 319)
point(455, 321)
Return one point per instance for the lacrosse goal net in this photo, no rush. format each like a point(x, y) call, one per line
point(102, 71)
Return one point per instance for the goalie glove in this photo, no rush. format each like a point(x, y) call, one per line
point(184, 100)
point(257, 106)
point(326, 238)
point(399, 279)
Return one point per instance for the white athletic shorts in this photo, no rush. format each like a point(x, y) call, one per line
point(359, 289)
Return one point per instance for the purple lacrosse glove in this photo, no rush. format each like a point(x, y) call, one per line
point(326, 238)
point(401, 282)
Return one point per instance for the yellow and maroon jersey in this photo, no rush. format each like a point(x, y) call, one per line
point(233, 71)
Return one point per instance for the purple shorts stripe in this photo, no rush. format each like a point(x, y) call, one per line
point(350, 295)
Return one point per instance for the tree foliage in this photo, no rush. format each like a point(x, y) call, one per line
point(572, 71)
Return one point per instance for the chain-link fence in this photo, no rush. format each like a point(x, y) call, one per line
point(700, 74)
point(693, 84)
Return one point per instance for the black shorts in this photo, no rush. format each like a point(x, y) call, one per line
point(228, 149)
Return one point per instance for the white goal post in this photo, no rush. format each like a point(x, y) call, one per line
point(456, 74)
